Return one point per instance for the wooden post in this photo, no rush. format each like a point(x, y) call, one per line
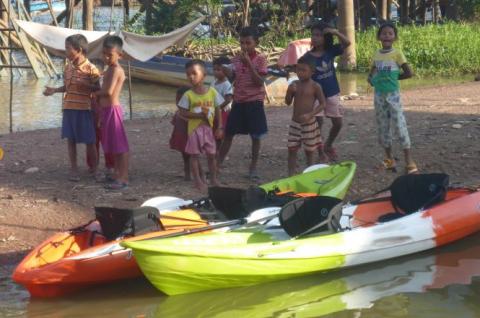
point(389, 9)
point(437, 13)
point(347, 27)
point(413, 10)
point(87, 15)
point(130, 90)
point(148, 15)
point(246, 13)
point(126, 12)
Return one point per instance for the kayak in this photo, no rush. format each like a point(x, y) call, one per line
point(328, 293)
point(256, 255)
point(332, 181)
point(82, 257)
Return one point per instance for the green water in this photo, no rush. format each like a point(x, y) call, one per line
point(441, 283)
point(31, 110)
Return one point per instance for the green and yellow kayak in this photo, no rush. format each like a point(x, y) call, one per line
point(160, 259)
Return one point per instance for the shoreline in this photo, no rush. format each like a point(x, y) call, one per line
point(444, 124)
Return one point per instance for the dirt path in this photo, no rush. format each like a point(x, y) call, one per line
point(444, 126)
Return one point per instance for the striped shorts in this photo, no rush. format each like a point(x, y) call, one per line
point(308, 134)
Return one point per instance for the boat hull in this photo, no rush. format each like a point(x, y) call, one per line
point(73, 260)
point(193, 264)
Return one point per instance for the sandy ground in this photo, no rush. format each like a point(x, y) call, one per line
point(444, 124)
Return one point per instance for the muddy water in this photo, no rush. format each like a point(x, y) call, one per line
point(440, 283)
point(31, 110)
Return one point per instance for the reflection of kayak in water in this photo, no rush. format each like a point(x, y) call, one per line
point(319, 295)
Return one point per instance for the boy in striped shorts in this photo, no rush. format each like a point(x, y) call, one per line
point(304, 127)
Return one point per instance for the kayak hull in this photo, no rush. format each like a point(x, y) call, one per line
point(240, 258)
point(73, 260)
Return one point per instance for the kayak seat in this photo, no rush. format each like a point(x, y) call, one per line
point(311, 215)
point(411, 193)
point(116, 223)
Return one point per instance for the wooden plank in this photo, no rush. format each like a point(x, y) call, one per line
point(37, 70)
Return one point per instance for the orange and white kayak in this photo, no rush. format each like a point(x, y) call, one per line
point(79, 258)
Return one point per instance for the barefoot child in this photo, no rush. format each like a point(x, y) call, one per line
point(114, 140)
point(224, 88)
point(80, 80)
point(384, 77)
point(308, 100)
point(324, 52)
point(179, 137)
point(248, 115)
point(200, 105)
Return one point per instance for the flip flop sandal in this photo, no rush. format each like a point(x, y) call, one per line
point(390, 165)
point(116, 185)
point(411, 169)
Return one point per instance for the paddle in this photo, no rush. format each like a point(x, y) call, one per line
point(255, 217)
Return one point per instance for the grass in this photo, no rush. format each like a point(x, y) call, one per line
point(448, 49)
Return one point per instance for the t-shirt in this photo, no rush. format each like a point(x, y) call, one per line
point(77, 79)
point(325, 70)
point(387, 64)
point(197, 103)
point(246, 90)
point(224, 89)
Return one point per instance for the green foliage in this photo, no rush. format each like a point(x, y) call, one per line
point(469, 9)
point(434, 49)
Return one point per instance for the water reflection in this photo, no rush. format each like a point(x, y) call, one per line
point(437, 284)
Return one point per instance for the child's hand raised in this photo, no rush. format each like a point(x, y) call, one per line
point(245, 58)
point(331, 31)
point(49, 91)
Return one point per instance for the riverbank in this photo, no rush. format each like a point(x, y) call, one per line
point(444, 123)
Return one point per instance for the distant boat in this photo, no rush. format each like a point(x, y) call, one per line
point(170, 70)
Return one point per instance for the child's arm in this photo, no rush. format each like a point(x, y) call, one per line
point(191, 115)
point(227, 100)
point(291, 90)
point(407, 72)
point(256, 77)
point(110, 80)
point(218, 116)
point(49, 91)
point(322, 102)
point(344, 41)
point(373, 69)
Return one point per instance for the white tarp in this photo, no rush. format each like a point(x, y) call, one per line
point(139, 47)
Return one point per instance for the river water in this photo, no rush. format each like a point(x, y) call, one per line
point(31, 110)
point(441, 283)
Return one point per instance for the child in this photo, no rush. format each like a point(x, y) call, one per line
point(92, 162)
point(224, 88)
point(324, 52)
point(80, 80)
point(114, 140)
point(200, 105)
point(248, 114)
point(308, 101)
point(384, 77)
point(179, 137)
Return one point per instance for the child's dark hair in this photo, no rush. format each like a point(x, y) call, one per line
point(250, 31)
point(320, 26)
point(307, 60)
point(196, 62)
point(387, 25)
point(113, 42)
point(78, 42)
point(219, 61)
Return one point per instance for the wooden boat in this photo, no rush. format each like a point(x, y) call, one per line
point(170, 70)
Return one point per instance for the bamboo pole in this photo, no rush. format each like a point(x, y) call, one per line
point(87, 15)
point(347, 27)
point(50, 9)
point(246, 13)
point(130, 103)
